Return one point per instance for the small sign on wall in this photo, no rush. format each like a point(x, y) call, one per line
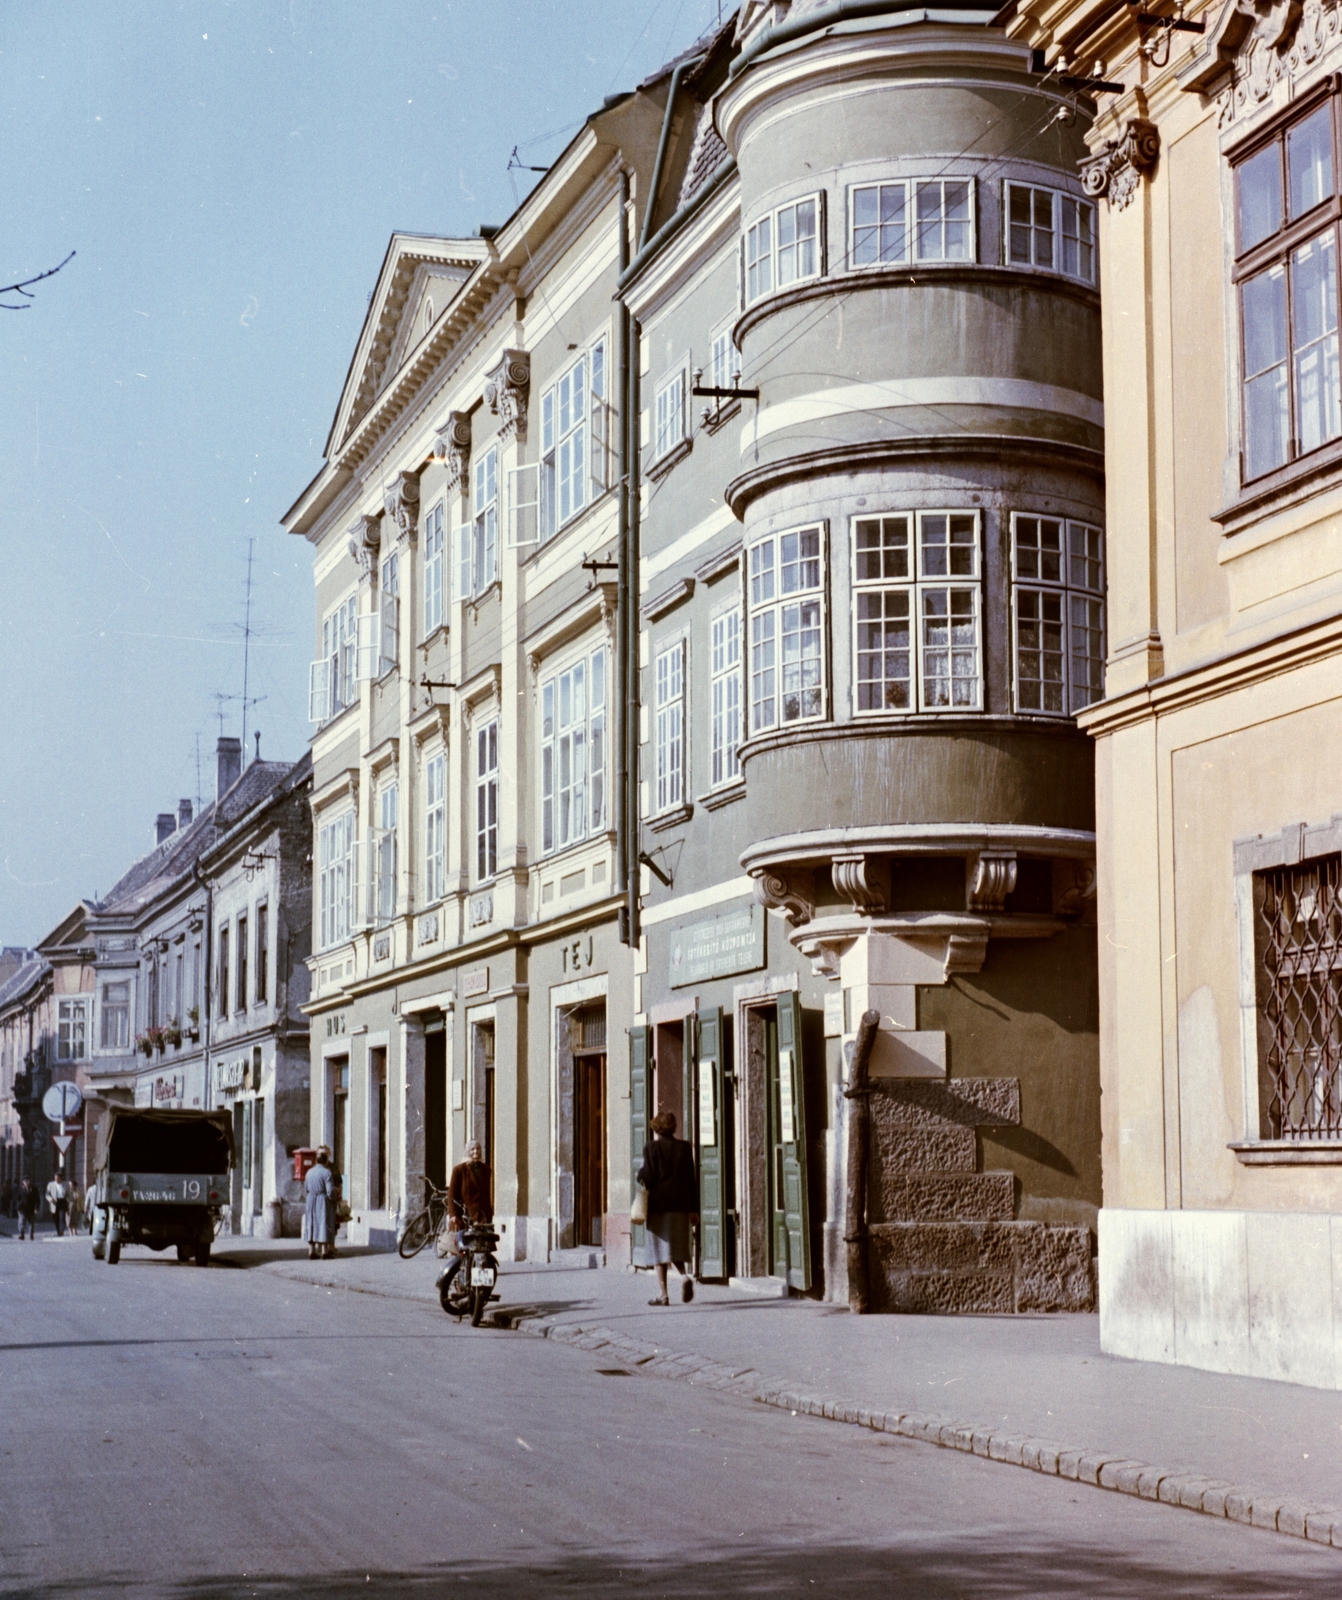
point(708, 1121)
point(730, 942)
point(476, 981)
point(834, 1008)
point(787, 1133)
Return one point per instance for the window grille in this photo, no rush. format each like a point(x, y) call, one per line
point(1299, 937)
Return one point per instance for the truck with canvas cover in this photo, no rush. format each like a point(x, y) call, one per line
point(161, 1179)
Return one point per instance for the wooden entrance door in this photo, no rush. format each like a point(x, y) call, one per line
point(589, 1139)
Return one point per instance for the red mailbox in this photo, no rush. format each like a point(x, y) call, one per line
point(303, 1160)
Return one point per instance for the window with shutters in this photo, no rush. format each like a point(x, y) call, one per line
point(435, 828)
point(332, 681)
point(1049, 229)
point(573, 753)
point(478, 556)
point(725, 697)
point(487, 800)
point(670, 413)
point(335, 866)
point(786, 617)
point(575, 436)
point(389, 642)
point(783, 248)
point(1057, 612)
point(224, 972)
point(262, 952)
point(917, 612)
point(243, 953)
point(669, 707)
point(1286, 218)
point(72, 1026)
point(433, 570)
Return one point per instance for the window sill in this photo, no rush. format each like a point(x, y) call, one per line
point(673, 457)
point(1280, 490)
point(670, 819)
point(715, 799)
point(1289, 1153)
point(439, 636)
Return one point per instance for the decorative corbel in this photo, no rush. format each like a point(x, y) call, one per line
point(507, 391)
point(1115, 170)
point(778, 893)
point(401, 503)
point(1073, 887)
point(365, 540)
point(454, 450)
point(990, 876)
point(854, 878)
point(965, 952)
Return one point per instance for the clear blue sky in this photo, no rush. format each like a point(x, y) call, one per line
point(229, 175)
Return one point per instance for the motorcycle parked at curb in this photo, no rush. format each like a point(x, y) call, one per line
point(466, 1285)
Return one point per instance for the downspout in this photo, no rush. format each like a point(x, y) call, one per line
point(631, 705)
point(623, 621)
point(662, 145)
point(207, 961)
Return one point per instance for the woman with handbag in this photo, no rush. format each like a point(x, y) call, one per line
point(672, 1186)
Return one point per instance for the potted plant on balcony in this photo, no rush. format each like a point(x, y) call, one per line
point(144, 1043)
point(172, 1032)
point(193, 1020)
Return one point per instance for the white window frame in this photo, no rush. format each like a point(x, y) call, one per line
point(1063, 208)
point(487, 801)
point(575, 713)
point(433, 569)
point(113, 1009)
point(670, 669)
point(333, 677)
point(724, 362)
point(435, 827)
point(726, 697)
point(72, 1029)
point(336, 886)
point(385, 853)
point(766, 257)
point(671, 411)
point(772, 598)
point(935, 574)
point(1061, 586)
point(479, 556)
point(390, 604)
point(574, 468)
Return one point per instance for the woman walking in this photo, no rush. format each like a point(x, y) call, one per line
point(669, 1177)
point(319, 1221)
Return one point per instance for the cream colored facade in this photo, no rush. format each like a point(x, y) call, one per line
point(1221, 1229)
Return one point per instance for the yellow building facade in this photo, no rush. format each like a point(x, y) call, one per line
point(1216, 153)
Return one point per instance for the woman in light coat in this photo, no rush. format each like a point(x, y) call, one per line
point(319, 1222)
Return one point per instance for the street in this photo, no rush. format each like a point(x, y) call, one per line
point(177, 1432)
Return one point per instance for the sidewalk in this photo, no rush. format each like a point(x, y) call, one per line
point(1035, 1391)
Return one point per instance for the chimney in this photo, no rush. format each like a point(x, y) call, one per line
point(165, 825)
point(183, 813)
point(229, 756)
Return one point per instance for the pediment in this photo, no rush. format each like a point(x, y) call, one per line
point(415, 271)
point(1256, 50)
point(71, 932)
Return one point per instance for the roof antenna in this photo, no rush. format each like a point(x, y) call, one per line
point(256, 734)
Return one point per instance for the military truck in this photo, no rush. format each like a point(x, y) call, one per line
point(162, 1179)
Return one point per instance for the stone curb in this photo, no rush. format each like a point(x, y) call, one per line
point(1169, 1486)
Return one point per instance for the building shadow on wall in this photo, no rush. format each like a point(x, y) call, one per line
point(960, 1569)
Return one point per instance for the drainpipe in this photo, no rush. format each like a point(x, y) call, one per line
point(677, 73)
point(623, 620)
point(207, 961)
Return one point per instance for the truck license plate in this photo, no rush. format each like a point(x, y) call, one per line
point(482, 1277)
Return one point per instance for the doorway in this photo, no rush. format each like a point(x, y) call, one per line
point(340, 1121)
point(483, 1110)
point(587, 1041)
point(377, 1142)
point(435, 1102)
point(772, 1199)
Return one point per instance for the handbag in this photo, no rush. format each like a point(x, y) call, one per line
point(638, 1212)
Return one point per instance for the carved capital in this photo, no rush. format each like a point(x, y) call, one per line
point(508, 390)
point(365, 540)
point(790, 896)
point(1115, 170)
point(454, 450)
point(990, 876)
point(401, 503)
point(854, 877)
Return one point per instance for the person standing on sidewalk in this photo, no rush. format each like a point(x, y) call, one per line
point(29, 1201)
point(75, 1216)
point(58, 1199)
point(669, 1177)
point(319, 1222)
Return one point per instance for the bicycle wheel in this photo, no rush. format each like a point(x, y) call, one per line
point(479, 1300)
point(416, 1235)
point(453, 1296)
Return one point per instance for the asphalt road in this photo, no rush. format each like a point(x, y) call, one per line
point(174, 1432)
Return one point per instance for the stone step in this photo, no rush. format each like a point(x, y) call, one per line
point(943, 1197)
point(929, 1103)
point(980, 1267)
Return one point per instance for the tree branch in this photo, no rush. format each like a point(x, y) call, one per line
point(22, 287)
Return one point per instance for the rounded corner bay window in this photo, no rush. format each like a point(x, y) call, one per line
point(1286, 215)
point(785, 592)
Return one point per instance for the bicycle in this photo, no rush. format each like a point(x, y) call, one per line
point(427, 1223)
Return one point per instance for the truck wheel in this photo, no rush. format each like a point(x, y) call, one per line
point(203, 1253)
point(99, 1249)
point(184, 1252)
point(114, 1253)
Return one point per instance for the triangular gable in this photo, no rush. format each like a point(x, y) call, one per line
point(415, 269)
point(69, 933)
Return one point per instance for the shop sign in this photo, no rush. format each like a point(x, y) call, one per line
point(167, 1090)
point(476, 981)
point(229, 1075)
point(733, 941)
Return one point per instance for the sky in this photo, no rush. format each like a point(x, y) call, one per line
point(228, 176)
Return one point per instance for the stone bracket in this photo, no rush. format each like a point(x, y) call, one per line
point(401, 504)
point(990, 876)
point(454, 450)
point(855, 878)
point(508, 392)
point(1115, 170)
point(365, 540)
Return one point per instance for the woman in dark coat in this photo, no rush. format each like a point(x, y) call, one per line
point(669, 1177)
point(319, 1223)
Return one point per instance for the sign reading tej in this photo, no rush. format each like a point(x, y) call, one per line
point(733, 941)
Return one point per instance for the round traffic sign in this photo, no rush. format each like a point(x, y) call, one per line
point(62, 1101)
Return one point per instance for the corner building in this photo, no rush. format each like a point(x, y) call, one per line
point(871, 576)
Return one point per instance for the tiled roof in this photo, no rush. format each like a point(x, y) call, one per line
point(22, 981)
point(706, 156)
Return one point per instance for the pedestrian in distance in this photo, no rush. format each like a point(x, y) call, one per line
point(75, 1217)
point(319, 1218)
point(29, 1200)
point(58, 1198)
point(669, 1177)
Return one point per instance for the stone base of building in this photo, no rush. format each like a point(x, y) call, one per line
point(1251, 1292)
point(940, 1267)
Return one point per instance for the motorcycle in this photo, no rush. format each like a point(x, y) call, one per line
point(466, 1284)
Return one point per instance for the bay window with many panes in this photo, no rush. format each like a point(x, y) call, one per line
point(917, 612)
point(910, 219)
point(786, 597)
point(1286, 218)
point(1057, 614)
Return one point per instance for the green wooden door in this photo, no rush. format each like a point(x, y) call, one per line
point(790, 1161)
point(638, 1125)
point(711, 1138)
